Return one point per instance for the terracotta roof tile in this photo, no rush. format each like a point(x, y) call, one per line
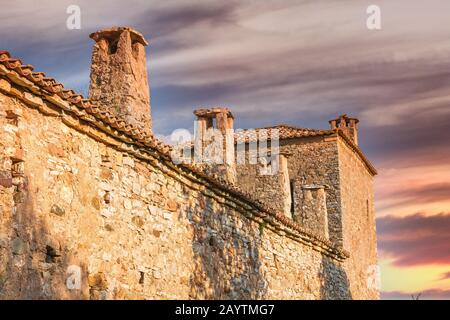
point(4, 52)
point(284, 132)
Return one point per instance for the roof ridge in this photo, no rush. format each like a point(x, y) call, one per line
point(291, 127)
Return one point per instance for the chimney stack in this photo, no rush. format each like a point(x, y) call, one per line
point(119, 75)
point(348, 125)
point(209, 121)
point(222, 117)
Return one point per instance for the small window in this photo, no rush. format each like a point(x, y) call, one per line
point(113, 46)
point(367, 209)
point(291, 186)
point(50, 254)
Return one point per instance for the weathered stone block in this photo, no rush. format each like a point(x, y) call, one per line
point(17, 246)
point(5, 85)
point(56, 209)
point(56, 151)
point(32, 99)
point(138, 221)
point(97, 281)
point(171, 205)
point(6, 179)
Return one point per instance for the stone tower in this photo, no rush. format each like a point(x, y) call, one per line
point(119, 74)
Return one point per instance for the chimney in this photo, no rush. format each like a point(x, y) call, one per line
point(119, 75)
point(348, 125)
point(216, 118)
point(209, 123)
point(312, 208)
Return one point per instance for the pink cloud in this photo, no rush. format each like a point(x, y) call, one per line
point(416, 239)
point(445, 276)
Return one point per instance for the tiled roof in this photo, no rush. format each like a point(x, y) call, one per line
point(23, 76)
point(284, 132)
point(291, 132)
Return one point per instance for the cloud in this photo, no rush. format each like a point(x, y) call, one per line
point(431, 294)
point(426, 193)
point(415, 240)
point(175, 19)
point(414, 182)
point(445, 276)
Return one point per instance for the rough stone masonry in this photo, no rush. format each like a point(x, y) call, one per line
point(93, 207)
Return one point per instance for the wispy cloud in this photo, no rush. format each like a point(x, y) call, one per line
point(445, 276)
point(416, 239)
point(416, 195)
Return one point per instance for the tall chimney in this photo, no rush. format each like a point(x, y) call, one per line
point(119, 74)
point(216, 120)
point(348, 125)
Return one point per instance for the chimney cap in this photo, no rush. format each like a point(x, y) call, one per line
point(114, 32)
point(211, 112)
point(344, 117)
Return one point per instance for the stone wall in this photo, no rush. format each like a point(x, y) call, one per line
point(135, 226)
point(314, 161)
point(311, 161)
point(358, 222)
point(259, 179)
point(332, 197)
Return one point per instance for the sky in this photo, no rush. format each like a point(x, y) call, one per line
point(300, 63)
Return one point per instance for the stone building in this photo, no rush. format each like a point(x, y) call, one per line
point(93, 206)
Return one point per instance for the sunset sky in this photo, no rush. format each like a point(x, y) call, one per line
point(300, 63)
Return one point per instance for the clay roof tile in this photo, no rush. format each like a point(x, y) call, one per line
point(26, 70)
point(13, 63)
point(68, 93)
point(72, 97)
point(49, 82)
point(5, 53)
point(57, 87)
point(38, 76)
